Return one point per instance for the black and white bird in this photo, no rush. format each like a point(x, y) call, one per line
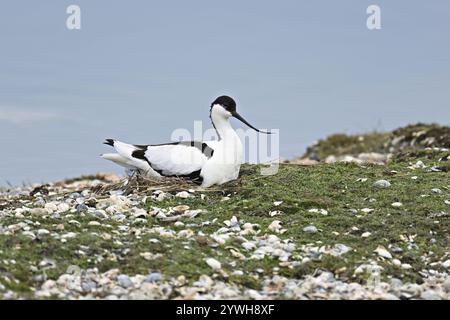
point(205, 162)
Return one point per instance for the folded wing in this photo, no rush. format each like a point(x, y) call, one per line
point(172, 159)
point(178, 159)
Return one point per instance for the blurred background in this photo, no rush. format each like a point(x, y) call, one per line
point(137, 70)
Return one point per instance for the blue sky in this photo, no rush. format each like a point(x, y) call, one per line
point(139, 69)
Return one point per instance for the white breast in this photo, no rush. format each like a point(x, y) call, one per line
point(225, 163)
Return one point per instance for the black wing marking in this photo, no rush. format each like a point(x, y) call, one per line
point(202, 146)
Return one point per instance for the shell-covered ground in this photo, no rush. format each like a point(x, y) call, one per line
point(327, 231)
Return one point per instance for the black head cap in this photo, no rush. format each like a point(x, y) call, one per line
point(227, 102)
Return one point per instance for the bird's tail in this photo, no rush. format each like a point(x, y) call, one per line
point(125, 155)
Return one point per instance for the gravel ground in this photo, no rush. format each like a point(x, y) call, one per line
point(59, 214)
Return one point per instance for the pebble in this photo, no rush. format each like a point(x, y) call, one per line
point(430, 295)
point(310, 229)
point(382, 184)
point(339, 249)
point(275, 226)
point(39, 211)
point(63, 207)
point(29, 234)
point(88, 286)
point(419, 165)
point(382, 252)
point(81, 208)
point(248, 245)
point(366, 235)
point(50, 207)
point(213, 263)
point(397, 204)
point(153, 277)
point(184, 195)
point(395, 248)
point(446, 264)
point(124, 281)
point(102, 214)
point(321, 211)
point(43, 232)
point(69, 235)
point(436, 190)
point(396, 262)
point(181, 208)
point(179, 224)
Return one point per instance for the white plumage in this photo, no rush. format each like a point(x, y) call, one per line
point(208, 162)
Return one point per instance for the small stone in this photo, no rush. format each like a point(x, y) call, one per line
point(382, 252)
point(63, 207)
point(367, 210)
point(419, 165)
point(275, 213)
point(179, 224)
point(50, 207)
point(446, 264)
point(81, 208)
point(56, 215)
point(181, 208)
point(366, 235)
point(184, 195)
point(124, 281)
point(310, 229)
point(396, 262)
point(382, 184)
point(101, 214)
point(339, 249)
point(39, 211)
point(277, 203)
point(248, 245)
point(94, 223)
point(29, 234)
point(213, 263)
point(88, 286)
point(436, 190)
point(430, 295)
point(69, 235)
point(406, 266)
point(247, 226)
point(321, 211)
point(397, 204)
point(275, 226)
point(43, 232)
point(395, 248)
point(153, 277)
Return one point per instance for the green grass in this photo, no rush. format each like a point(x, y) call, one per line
point(417, 136)
point(332, 187)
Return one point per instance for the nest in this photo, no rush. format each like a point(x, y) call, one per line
point(147, 185)
point(140, 184)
